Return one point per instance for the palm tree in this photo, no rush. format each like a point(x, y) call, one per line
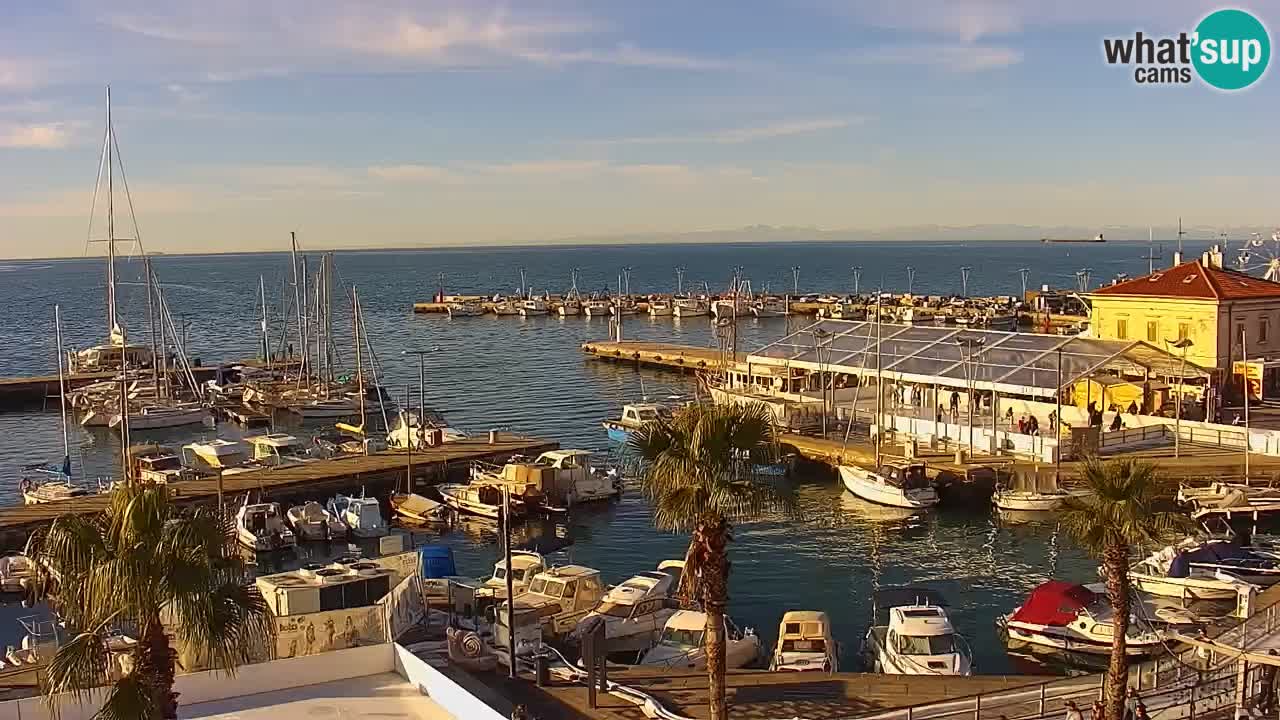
point(137, 564)
point(698, 472)
point(1117, 514)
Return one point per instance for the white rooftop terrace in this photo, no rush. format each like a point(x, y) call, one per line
point(385, 696)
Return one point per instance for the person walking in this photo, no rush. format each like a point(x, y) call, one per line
point(1073, 712)
point(1267, 677)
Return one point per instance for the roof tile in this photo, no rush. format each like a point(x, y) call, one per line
point(1195, 281)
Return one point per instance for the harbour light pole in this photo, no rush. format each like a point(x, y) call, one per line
point(795, 279)
point(911, 278)
point(422, 393)
point(680, 280)
point(822, 349)
point(1024, 272)
point(970, 347)
point(1182, 344)
point(964, 280)
point(857, 278)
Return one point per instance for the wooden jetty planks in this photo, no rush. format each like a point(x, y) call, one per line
point(654, 354)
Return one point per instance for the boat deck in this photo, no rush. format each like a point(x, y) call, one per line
point(379, 471)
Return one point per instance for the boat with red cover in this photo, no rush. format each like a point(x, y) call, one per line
point(1069, 617)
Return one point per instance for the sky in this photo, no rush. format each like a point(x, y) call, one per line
point(383, 123)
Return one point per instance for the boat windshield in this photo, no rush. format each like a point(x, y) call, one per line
point(500, 573)
point(614, 610)
point(647, 414)
point(926, 644)
point(804, 646)
point(164, 462)
point(681, 638)
point(538, 586)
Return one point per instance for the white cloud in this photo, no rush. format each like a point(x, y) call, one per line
point(20, 74)
point(738, 135)
point(628, 56)
point(285, 176)
point(413, 173)
point(562, 168)
point(47, 136)
point(951, 58)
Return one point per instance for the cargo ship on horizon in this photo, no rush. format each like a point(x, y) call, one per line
point(1096, 239)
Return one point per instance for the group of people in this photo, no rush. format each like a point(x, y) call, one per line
point(1029, 424)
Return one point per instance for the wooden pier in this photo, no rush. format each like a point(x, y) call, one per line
point(377, 474)
point(26, 393)
point(681, 358)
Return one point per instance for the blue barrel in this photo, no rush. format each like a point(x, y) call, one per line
point(437, 561)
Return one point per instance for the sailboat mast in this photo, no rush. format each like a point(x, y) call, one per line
point(266, 342)
point(328, 313)
point(879, 383)
point(298, 294)
point(111, 226)
point(151, 324)
point(355, 330)
point(62, 390)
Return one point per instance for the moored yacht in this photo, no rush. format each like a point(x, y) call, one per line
point(261, 527)
point(467, 308)
point(228, 457)
point(421, 429)
point(1192, 570)
point(482, 500)
point(156, 417)
point(1065, 617)
point(361, 515)
point(533, 306)
point(769, 307)
point(805, 644)
point(896, 484)
point(596, 308)
point(689, 307)
point(414, 508)
point(634, 415)
point(336, 407)
point(556, 600)
point(524, 566)
point(42, 484)
point(660, 308)
point(506, 307)
point(912, 635)
point(311, 521)
point(278, 450)
point(680, 643)
point(636, 610)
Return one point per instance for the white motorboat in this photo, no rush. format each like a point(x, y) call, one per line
point(361, 515)
point(1227, 499)
point(660, 308)
point(261, 527)
point(689, 307)
point(43, 484)
point(16, 573)
point(570, 307)
point(533, 306)
point(576, 479)
point(1195, 570)
point(635, 611)
point(228, 457)
point(310, 521)
point(525, 566)
point(912, 635)
point(556, 600)
point(468, 308)
point(805, 644)
point(156, 417)
point(278, 450)
point(433, 429)
point(482, 500)
point(338, 407)
point(1066, 617)
point(415, 508)
point(1033, 500)
point(634, 415)
point(596, 308)
point(902, 485)
point(157, 465)
point(680, 644)
point(769, 307)
point(730, 308)
point(623, 306)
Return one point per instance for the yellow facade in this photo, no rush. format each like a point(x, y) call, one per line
point(1159, 320)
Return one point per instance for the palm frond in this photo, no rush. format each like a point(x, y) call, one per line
point(79, 667)
point(130, 698)
point(226, 625)
point(1119, 510)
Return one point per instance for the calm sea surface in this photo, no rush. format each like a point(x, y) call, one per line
point(529, 375)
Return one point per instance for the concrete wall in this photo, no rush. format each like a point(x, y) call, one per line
point(248, 680)
point(439, 687)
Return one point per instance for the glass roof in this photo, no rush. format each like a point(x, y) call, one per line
point(1024, 363)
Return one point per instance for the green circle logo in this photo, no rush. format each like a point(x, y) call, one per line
point(1232, 49)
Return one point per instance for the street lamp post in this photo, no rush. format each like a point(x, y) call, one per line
point(964, 280)
point(822, 348)
point(970, 346)
point(1182, 344)
point(680, 280)
point(422, 393)
point(857, 278)
point(1023, 273)
point(795, 279)
point(911, 278)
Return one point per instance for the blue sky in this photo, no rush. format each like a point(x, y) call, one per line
point(420, 123)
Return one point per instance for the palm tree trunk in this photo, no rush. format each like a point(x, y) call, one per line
point(715, 568)
point(157, 659)
point(1116, 562)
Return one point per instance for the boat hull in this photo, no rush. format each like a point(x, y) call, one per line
point(163, 420)
point(464, 505)
point(617, 432)
point(1062, 640)
point(1029, 502)
point(1183, 588)
point(860, 483)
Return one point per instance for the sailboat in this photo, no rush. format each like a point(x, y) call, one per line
point(572, 303)
point(42, 484)
point(116, 352)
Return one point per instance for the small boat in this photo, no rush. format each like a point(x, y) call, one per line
point(680, 644)
point(660, 308)
point(730, 308)
point(278, 450)
point(1169, 573)
point(406, 430)
point(482, 500)
point(468, 308)
point(912, 635)
point(157, 465)
point(525, 564)
point(338, 407)
point(596, 308)
point(533, 306)
point(550, 609)
point(310, 521)
point(1066, 617)
point(16, 573)
point(260, 527)
point(1225, 500)
point(43, 484)
point(635, 611)
point(624, 306)
point(634, 416)
point(228, 457)
point(416, 508)
point(769, 307)
point(156, 417)
point(506, 307)
point(896, 484)
point(805, 644)
point(1033, 500)
point(361, 515)
point(689, 307)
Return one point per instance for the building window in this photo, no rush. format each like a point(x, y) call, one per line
point(1263, 331)
point(1184, 330)
point(1122, 329)
point(1153, 331)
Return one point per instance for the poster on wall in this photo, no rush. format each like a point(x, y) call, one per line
point(1251, 377)
point(313, 633)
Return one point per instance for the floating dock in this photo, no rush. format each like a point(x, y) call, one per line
point(316, 480)
point(26, 393)
point(680, 358)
